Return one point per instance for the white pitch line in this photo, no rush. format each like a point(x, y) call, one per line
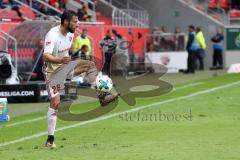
point(188, 86)
point(44, 117)
point(120, 113)
point(24, 122)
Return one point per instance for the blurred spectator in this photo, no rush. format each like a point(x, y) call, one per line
point(80, 14)
point(218, 46)
point(35, 4)
point(191, 49)
point(108, 44)
point(166, 42)
point(160, 41)
point(90, 5)
point(82, 40)
point(119, 60)
point(58, 4)
point(179, 39)
point(82, 53)
point(62, 4)
point(164, 29)
point(88, 18)
point(83, 14)
point(177, 30)
point(43, 9)
point(121, 42)
point(201, 48)
point(11, 4)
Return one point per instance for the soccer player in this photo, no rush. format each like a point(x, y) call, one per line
point(57, 63)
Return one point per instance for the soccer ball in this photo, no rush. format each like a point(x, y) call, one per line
point(104, 83)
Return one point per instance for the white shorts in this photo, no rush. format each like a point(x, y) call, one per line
point(55, 83)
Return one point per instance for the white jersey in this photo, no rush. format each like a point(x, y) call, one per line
point(57, 45)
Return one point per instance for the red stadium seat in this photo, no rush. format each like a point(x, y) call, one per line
point(11, 15)
point(27, 12)
point(29, 53)
point(224, 4)
point(234, 13)
point(21, 53)
point(11, 52)
point(213, 4)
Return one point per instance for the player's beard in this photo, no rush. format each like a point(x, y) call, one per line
point(71, 30)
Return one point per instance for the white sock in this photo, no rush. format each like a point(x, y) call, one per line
point(52, 120)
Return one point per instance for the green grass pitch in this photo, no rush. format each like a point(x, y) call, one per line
point(198, 120)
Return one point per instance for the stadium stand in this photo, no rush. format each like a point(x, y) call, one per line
point(27, 32)
point(213, 4)
point(224, 11)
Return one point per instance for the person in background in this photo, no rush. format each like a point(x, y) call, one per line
point(192, 50)
point(201, 48)
point(82, 53)
point(83, 13)
point(14, 6)
point(62, 4)
point(119, 60)
point(82, 40)
point(108, 44)
point(218, 46)
point(179, 39)
point(164, 29)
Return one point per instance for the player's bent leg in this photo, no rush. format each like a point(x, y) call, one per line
point(91, 74)
point(89, 68)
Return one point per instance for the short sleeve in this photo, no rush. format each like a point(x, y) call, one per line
point(49, 43)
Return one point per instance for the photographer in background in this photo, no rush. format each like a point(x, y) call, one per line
point(119, 63)
point(108, 45)
point(192, 48)
point(8, 73)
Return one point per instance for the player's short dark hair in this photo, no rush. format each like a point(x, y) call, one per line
point(67, 15)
